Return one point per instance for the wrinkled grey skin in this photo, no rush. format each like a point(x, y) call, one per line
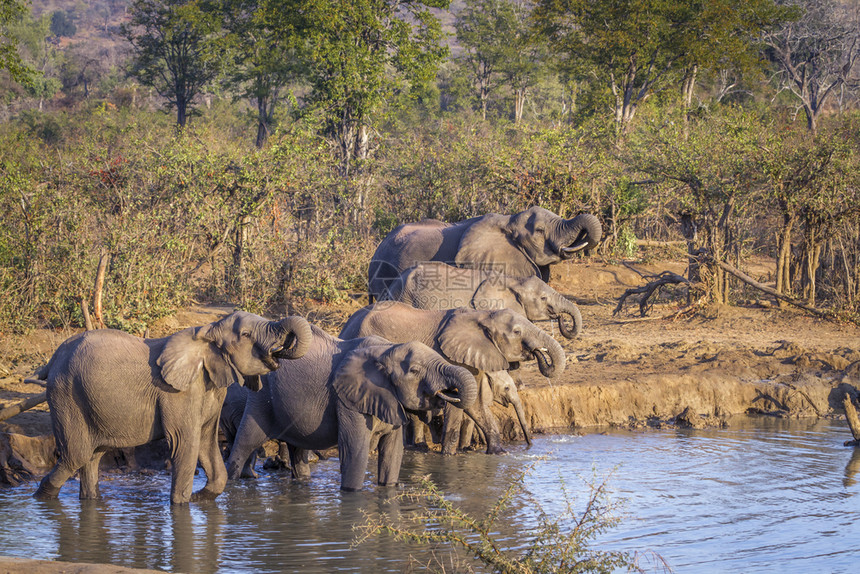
point(437, 285)
point(504, 392)
point(350, 394)
point(482, 341)
point(229, 420)
point(108, 389)
point(520, 245)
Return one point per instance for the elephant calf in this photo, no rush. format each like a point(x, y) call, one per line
point(108, 389)
point(349, 394)
point(485, 342)
point(436, 285)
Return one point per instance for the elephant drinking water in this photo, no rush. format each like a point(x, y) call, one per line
point(521, 245)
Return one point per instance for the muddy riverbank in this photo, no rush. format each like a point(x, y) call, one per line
point(622, 371)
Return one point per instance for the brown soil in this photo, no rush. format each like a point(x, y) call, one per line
point(622, 370)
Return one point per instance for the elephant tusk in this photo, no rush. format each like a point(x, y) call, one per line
point(445, 397)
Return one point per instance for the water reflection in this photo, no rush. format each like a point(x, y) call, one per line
point(774, 494)
point(852, 468)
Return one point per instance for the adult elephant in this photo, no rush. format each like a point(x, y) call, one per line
point(523, 244)
point(437, 285)
point(349, 394)
point(108, 389)
point(483, 341)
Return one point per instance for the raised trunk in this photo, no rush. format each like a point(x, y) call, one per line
point(460, 379)
point(298, 338)
point(582, 232)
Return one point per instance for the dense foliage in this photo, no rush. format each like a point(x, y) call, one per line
point(316, 135)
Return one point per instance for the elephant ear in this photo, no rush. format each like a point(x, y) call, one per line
point(493, 294)
point(191, 353)
point(486, 244)
point(465, 341)
point(362, 385)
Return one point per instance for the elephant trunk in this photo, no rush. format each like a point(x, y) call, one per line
point(569, 309)
point(457, 386)
point(582, 232)
point(521, 417)
point(297, 335)
point(548, 354)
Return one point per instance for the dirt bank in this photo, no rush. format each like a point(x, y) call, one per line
point(621, 371)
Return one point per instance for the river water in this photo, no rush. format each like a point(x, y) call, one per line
point(763, 495)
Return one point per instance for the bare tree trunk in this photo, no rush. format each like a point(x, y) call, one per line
point(97, 289)
point(239, 270)
point(783, 257)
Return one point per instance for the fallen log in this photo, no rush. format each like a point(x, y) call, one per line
point(853, 420)
point(770, 291)
point(26, 404)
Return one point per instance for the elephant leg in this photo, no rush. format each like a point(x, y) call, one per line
point(467, 431)
point(90, 477)
point(254, 429)
point(390, 457)
point(451, 430)
point(212, 463)
point(72, 456)
point(489, 425)
point(299, 465)
point(185, 450)
point(353, 441)
point(49, 487)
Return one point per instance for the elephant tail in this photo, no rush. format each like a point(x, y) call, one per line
point(40, 376)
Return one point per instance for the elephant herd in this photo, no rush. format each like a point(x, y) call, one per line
point(453, 312)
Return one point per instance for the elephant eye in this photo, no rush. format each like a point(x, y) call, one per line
point(539, 230)
point(414, 370)
point(246, 334)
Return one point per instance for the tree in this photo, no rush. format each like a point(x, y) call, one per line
point(637, 48)
point(485, 29)
point(358, 56)
point(11, 11)
point(263, 60)
point(817, 53)
point(173, 49)
point(62, 24)
point(526, 64)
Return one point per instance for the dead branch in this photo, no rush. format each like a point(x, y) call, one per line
point(773, 292)
point(97, 297)
point(26, 404)
point(652, 243)
point(853, 420)
point(85, 310)
point(664, 278)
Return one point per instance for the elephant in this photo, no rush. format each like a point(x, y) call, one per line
point(521, 245)
point(503, 390)
point(109, 389)
point(482, 341)
point(437, 285)
point(349, 393)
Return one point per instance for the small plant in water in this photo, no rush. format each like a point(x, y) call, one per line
point(560, 543)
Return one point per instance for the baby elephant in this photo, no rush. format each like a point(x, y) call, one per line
point(350, 394)
point(108, 389)
point(436, 285)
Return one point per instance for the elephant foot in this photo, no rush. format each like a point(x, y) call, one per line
point(46, 492)
point(495, 449)
point(388, 484)
point(349, 489)
point(203, 495)
point(275, 463)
